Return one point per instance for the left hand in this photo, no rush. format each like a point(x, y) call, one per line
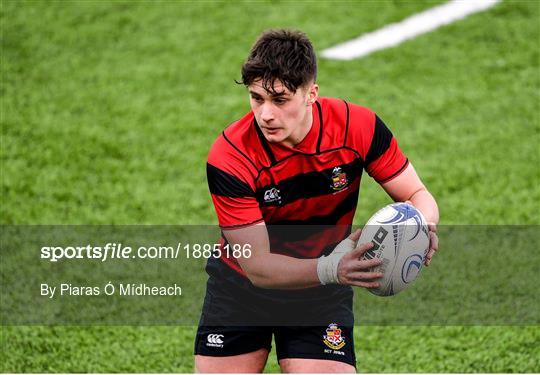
point(433, 243)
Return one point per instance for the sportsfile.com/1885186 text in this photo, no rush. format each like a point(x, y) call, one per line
point(114, 250)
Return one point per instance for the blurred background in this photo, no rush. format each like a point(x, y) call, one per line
point(109, 108)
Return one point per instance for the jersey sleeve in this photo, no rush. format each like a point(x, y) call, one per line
point(232, 187)
point(371, 138)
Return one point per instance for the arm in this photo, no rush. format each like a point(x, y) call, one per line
point(408, 187)
point(231, 182)
point(275, 271)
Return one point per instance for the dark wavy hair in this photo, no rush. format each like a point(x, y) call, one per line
point(283, 55)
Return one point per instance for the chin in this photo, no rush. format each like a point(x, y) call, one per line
point(274, 138)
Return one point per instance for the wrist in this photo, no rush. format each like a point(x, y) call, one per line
point(327, 270)
point(327, 266)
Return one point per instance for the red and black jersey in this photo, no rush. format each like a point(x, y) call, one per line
point(314, 184)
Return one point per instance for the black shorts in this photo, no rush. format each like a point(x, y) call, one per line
point(239, 318)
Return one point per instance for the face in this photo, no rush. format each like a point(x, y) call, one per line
point(283, 117)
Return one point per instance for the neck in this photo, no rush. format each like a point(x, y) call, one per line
point(300, 133)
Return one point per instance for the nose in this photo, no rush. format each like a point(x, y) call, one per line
point(267, 114)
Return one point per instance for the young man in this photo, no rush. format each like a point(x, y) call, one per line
point(284, 181)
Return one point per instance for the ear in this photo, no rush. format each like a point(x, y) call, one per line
point(312, 94)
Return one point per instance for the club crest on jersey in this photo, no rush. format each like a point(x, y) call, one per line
point(272, 195)
point(333, 338)
point(339, 179)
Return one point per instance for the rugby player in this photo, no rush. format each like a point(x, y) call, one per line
point(285, 179)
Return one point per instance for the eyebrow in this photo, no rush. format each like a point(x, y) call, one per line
point(278, 94)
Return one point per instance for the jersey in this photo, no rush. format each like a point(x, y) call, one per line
point(307, 195)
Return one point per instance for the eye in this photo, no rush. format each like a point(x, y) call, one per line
point(280, 101)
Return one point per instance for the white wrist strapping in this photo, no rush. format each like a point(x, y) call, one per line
point(327, 266)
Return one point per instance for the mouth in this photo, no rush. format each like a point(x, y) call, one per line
point(271, 130)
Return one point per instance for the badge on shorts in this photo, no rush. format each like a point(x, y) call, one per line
point(333, 338)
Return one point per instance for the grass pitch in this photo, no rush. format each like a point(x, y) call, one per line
point(108, 111)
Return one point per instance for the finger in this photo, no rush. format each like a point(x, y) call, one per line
point(433, 241)
point(429, 256)
point(355, 235)
point(364, 276)
point(432, 227)
point(365, 284)
point(409, 202)
point(362, 265)
point(361, 249)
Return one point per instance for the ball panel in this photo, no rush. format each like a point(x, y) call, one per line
point(400, 236)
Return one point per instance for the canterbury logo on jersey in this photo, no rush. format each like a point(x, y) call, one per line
point(272, 195)
point(214, 340)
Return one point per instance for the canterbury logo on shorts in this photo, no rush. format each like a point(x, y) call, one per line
point(214, 340)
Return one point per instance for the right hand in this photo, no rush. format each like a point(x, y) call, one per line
point(352, 270)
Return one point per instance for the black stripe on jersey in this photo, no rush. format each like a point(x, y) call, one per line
point(264, 143)
point(310, 184)
point(395, 174)
point(238, 150)
point(346, 206)
point(296, 233)
point(238, 226)
point(320, 127)
point(380, 142)
point(346, 124)
point(225, 184)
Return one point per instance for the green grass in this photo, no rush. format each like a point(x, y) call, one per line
point(169, 349)
point(108, 111)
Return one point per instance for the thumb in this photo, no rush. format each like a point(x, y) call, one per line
point(355, 236)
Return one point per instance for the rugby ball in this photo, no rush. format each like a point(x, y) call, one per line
point(400, 237)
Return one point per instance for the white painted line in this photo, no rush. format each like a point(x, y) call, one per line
point(396, 33)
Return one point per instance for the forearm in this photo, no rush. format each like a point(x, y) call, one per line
point(424, 201)
point(275, 271)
